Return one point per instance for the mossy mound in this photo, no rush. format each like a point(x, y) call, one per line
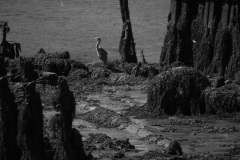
point(177, 90)
point(222, 99)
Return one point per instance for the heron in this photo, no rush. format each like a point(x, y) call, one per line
point(101, 53)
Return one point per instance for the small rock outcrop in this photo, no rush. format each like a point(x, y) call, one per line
point(223, 99)
point(177, 90)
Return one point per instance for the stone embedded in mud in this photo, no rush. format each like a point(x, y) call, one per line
point(175, 148)
point(222, 99)
point(177, 90)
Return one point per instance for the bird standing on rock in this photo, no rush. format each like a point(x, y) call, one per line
point(101, 53)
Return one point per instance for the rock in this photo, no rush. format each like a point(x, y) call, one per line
point(143, 133)
point(164, 143)
point(228, 81)
point(100, 73)
point(77, 75)
point(175, 148)
point(59, 55)
point(177, 90)
point(148, 71)
point(122, 126)
point(118, 77)
point(105, 117)
point(133, 129)
point(223, 99)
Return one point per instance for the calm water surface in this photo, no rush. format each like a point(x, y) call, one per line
point(57, 25)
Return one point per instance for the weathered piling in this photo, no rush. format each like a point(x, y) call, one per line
point(30, 119)
point(203, 34)
point(68, 140)
point(8, 111)
point(126, 44)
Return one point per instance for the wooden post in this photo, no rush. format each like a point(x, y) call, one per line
point(211, 13)
point(206, 13)
point(225, 14)
point(127, 44)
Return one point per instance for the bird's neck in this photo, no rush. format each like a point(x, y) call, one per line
point(97, 45)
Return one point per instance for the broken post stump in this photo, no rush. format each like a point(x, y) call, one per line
point(68, 140)
point(8, 119)
point(126, 44)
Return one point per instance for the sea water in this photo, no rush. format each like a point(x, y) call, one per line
point(72, 25)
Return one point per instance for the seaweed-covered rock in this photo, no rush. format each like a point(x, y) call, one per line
point(119, 77)
point(59, 55)
point(59, 66)
point(59, 63)
point(148, 71)
point(222, 99)
point(75, 65)
point(107, 143)
point(175, 148)
point(100, 73)
point(77, 75)
point(105, 117)
point(177, 90)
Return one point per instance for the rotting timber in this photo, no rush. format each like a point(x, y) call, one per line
point(126, 44)
point(204, 34)
point(21, 113)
